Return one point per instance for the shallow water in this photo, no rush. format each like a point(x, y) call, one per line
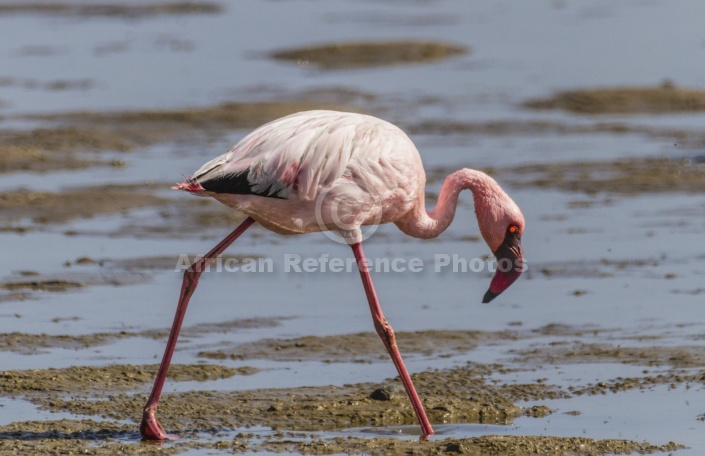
point(628, 267)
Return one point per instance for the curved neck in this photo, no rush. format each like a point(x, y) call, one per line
point(422, 224)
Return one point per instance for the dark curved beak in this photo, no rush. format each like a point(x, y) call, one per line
point(510, 265)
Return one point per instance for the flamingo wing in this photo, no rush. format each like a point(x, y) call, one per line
point(297, 155)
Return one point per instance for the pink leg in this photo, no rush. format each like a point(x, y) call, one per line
point(150, 427)
point(386, 332)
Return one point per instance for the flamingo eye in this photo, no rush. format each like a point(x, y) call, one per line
point(513, 229)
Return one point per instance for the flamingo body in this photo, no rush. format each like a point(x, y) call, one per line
point(336, 171)
point(317, 170)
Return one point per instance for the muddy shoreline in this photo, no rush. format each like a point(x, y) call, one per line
point(465, 394)
point(105, 402)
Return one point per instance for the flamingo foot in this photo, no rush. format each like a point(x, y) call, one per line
point(151, 429)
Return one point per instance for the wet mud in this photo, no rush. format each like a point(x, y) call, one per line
point(369, 54)
point(86, 202)
point(625, 177)
point(360, 347)
point(158, 125)
point(59, 148)
point(490, 445)
point(107, 9)
point(73, 140)
point(114, 395)
point(686, 139)
point(677, 357)
point(67, 437)
point(107, 379)
point(106, 401)
point(662, 99)
point(35, 343)
point(49, 149)
point(177, 214)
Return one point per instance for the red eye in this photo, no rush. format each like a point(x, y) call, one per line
point(513, 229)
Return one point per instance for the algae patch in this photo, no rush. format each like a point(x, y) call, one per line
point(117, 10)
point(359, 347)
point(472, 393)
point(34, 343)
point(153, 125)
point(662, 99)
point(49, 149)
point(59, 207)
point(624, 176)
point(68, 139)
point(579, 352)
point(118, 377)
point(369, 54)
point(103, 439)
point(41, 285)
point(504, 445)
point(456, 395)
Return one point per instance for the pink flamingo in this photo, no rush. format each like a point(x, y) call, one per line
point(337, 172)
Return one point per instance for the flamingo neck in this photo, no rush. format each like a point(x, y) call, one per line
point(424, 224)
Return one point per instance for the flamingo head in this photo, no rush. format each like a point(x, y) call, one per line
point(502, 224)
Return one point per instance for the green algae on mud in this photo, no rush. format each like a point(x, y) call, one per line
point(84, 202)
point(51, 149)
point(485, 445)
point(102, 439)
point(359, 347)
point(41, 285)
point(117, 377)
point(154, 125)
point(468, 394)
point(624, 176)
point(91, 437)
point(580, 352)
point(465, 394)
point(76, 137)
point(369, 54)
point(690, 139)
point(625, 100)
point(108, 9)
point(33, 343)
point(12, 289)
point(453, 395)
point(51, 208)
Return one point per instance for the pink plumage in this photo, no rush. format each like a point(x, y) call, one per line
point(339, 172)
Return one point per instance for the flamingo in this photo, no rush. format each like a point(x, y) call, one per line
point(338, 172)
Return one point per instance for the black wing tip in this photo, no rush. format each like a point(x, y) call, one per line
point(234, 184)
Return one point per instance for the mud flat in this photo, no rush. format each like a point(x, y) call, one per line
point(369, 54)
point(87, 437)
point(662, 99)
point(111, 9)
point(107, 401)
point(73, 140)
point(625, 177)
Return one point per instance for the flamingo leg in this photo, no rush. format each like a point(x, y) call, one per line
point(150, 427)
point(386, 332)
